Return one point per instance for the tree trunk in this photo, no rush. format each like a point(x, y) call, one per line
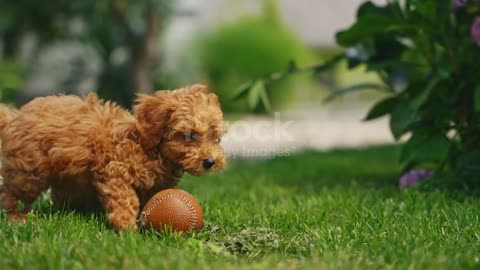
point(143, 49)
point(141, 77)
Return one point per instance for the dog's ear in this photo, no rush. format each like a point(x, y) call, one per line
point(153, 113)
point(213, 99)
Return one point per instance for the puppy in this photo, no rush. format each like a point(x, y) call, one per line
point(96, 155)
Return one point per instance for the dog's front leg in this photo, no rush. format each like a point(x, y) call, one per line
point(118, 197)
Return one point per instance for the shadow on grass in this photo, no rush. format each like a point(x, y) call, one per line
point(368, 168)
point(374, 167)
point(44, 208)
point(456, 187)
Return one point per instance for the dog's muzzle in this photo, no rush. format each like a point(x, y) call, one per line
point(208, 163)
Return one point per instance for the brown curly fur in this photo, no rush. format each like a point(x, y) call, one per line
point(95, 154)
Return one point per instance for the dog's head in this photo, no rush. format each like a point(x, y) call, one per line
point(184, 127)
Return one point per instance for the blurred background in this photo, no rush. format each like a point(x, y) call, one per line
point(122, 47)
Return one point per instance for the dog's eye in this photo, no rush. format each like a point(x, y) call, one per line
point(193, 136)
point(218, 140)
point(196, 137)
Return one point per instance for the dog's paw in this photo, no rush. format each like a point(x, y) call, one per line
point(17, 217)
point(124, 226)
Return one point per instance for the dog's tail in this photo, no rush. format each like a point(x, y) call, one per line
point(6, 115)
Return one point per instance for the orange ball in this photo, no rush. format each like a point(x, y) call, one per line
point(173, 208)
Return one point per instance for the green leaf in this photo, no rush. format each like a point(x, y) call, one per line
point(426, 9)
point(419, 100)
point(382, 108)
point(426, 147)
point(364, 28)
point(354, 88)
point(477, 99)
point(389, 63)
point(265, 99)
point(254, 94)
point(402, 116)
point(243, 90)
point(328, 64)
point(371, 20)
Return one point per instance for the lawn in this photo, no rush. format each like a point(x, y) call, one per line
point(332, 210)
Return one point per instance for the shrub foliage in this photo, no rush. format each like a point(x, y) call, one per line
point(427, 54)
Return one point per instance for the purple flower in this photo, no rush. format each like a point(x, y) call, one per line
point(424, 173)
point(411, 177)
point(475, 31)
point(459, 3)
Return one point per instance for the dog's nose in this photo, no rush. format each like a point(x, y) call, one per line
point(208, 162)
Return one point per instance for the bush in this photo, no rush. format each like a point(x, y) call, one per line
point(250, 47)
point(427, 55)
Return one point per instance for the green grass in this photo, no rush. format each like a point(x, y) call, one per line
point(334, 210)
